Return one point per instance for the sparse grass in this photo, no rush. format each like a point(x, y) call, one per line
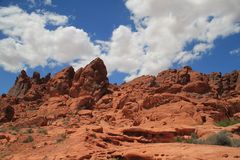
point(179, 139)
point(193, 139)
point(42, 131)
point(66, 121)
point(61, 137)
point(28, 139)
point(14, 128)
point(227, 122)
point(222, 138)
point(28, 131)
point(3, 129)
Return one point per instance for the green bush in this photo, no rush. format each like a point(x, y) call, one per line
point(179, 139)
point(236, 142)
point(227, 122)
point(14, 128)
point(61, 137)
point(221, 138)
point(42, 131)
point(28, 139)
point(193, 139)
point(28, 131)
point(3, 129)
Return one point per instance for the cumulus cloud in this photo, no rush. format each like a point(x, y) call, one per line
point(163, 31)
point(29, 43)
point(45, 2)
point(235, 51)
point(48, 2)
point(124, 47)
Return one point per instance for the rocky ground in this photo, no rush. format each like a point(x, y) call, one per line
point(77, 115)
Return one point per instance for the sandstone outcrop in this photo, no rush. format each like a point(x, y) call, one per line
point(80, 115)
point(21, 86)
point(61, 82)
point(30, 88)
point(90, 80)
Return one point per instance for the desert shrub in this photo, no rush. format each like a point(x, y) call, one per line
point(28, 131)
point(236, 142)
point(221, 138)
point(3, 129)
point(28, 139)
point(227, 122)
point(9, 113)
point(193, 139)
point(42, 131)
point(179, 139)
point(14, 128)
point(66, 121)
point(61, 137)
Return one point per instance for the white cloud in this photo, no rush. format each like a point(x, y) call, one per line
point(123, 47)
point(48, 2)
point(164, 32)
point(40, 2)
point(235, 51)
point(29, 43)
point(165, 28)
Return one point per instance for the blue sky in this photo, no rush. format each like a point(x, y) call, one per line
point(132, 38)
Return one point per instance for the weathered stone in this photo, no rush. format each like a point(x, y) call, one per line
point(90, 80)
point(61, 82)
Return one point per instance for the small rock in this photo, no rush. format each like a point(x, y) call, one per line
point(225, 155)
point(97, 129)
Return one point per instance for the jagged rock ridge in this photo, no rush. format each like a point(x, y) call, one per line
point(99, 120)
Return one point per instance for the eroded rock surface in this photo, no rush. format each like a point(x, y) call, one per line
point(140, 119)
point(90, 80)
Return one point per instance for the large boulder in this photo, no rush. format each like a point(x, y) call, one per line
point(197, 87)
point(21, 86)
point(90, 80)
point(83, 102)
point(61, 82)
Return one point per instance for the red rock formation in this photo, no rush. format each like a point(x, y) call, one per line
point(90, 80)
point(197, 87)
point(139, 119)
point(29, 88)
point(61, 82)
point(21, 86)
